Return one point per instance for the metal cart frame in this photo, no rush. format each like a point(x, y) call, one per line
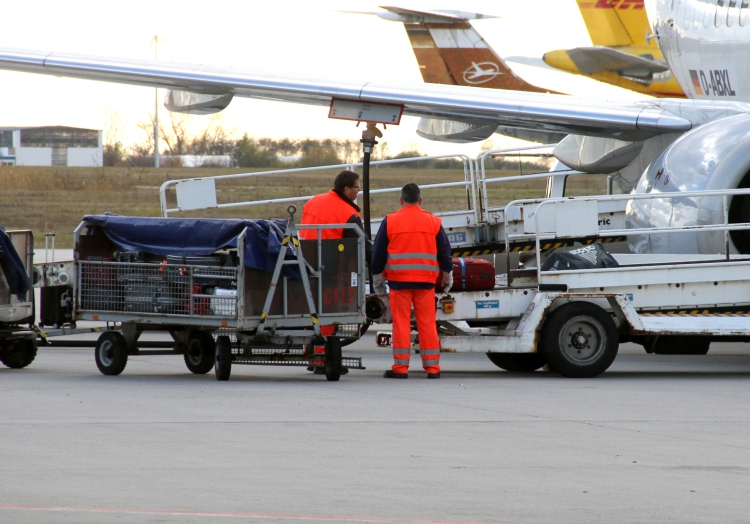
point(160, 297)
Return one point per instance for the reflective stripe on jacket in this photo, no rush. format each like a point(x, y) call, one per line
point(412, 249)
point(327, 208)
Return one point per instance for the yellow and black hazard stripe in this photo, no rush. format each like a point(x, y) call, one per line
point(493, 248)
point(287, 239)
point(699, 312)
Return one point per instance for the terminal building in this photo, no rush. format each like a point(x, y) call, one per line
point(51, 146)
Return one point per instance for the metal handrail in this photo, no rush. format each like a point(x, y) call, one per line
point(468, 166)
point(538, 235)
point(482, 173)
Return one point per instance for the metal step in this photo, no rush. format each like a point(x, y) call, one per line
point(291, 360)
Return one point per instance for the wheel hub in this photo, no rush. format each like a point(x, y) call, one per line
point(579, 339)
point(106, 354)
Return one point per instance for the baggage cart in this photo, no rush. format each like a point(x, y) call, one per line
point(17, 337)
point(265, 293)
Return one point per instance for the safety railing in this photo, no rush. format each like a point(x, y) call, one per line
point(552, 218)
point(200, 193)
point(555, 179)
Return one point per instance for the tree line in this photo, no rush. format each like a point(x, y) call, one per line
point(178, 136)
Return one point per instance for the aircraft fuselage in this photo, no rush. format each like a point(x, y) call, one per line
point(706, 44)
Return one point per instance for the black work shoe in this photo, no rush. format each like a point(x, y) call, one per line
point(433, 375)
point(392, 374)
point(321, 370)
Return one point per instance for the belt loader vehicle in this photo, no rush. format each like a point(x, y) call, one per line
point(573, 320)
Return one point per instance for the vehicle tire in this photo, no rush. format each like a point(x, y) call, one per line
point(518, 362)
point(18, 353)
point(333, 359)
point(201, 352)
point(579, 340)
point(681, 345)
point(111, 353)
point(223, 366)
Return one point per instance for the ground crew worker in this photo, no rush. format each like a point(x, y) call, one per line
point(335, 207)
point(411, 249)
point(338, 206)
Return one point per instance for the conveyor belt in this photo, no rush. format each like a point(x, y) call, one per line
point(492, 248)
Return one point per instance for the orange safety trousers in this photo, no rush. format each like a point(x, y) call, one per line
point(320, 351)
point(424, 309)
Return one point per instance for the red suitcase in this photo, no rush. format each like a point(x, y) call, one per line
point(470, 274)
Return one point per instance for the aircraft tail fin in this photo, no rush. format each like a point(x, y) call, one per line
point(615, 23)
point(450, 51)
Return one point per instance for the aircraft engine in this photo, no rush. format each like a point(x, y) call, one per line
point(713, 156)
point(195, 103)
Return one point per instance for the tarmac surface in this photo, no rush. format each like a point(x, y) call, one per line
point(655, 439)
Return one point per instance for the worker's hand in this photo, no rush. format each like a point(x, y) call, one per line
point(378, 284)
point(447, 281)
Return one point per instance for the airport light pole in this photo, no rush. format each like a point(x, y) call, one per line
point(155, 41)
point(368, 144)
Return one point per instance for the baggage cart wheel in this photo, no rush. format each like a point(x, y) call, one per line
point(201, 352)
point(333, 359)
point(18, 353)
point(579, 340)
point(223, 366)
point(111, 353)
point(517, 362)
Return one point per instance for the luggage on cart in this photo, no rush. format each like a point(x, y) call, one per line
point(130, 256)
point(472, 274)
point(154, 297)
point(587, 257)
point(98, 284)
point(215, 260)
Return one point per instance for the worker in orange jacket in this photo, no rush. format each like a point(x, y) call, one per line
point(411, 250)
point(337, 206)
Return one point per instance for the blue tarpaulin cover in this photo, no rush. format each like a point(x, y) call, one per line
point(194, 236)
point(13, 268)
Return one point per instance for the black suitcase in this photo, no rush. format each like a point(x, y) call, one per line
point(130, 256)
point(52, 310)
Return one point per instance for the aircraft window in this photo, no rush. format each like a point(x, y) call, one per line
point(709, 12)
point(730, 12)
point(690, 15)
point(743, 11)
point(6, 138)
point(721, 13)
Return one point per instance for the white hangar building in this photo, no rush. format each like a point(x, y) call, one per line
point(50, 146)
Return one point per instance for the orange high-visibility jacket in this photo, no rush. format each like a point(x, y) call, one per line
point(412, 249)
point(327, 208)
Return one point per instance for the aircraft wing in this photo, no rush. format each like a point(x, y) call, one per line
point(591, 60)
point(626, 121)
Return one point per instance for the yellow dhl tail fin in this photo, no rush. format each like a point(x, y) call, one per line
point(615, 23)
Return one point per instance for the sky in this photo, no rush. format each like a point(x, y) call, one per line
point(279, 36)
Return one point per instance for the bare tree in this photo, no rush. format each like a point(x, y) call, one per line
point(215, 139)
point(177, 137)
point(113, 148)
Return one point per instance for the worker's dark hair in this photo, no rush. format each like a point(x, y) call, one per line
point(410, 193)
point(345, 179)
